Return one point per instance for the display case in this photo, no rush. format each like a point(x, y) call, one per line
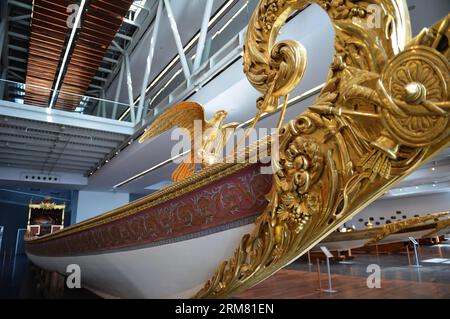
point(45, 218)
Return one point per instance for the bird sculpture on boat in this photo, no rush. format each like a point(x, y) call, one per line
point(208, 137)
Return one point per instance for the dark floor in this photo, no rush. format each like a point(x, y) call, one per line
point(394, 266)
point(299, 280)
point(17, 281)
point(398, 278)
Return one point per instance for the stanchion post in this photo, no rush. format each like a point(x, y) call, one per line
point(415, 245)
point(318, 274)
point(328, 256)
point(407, 253)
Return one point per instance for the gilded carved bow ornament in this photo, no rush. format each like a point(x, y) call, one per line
point(384, 110)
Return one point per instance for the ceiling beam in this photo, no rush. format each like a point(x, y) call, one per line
point(14, 68)
point(94, 154)
point(55, 128)
point(19, 18)
point(28, 141)
point(19, 4)
point(99, 79)
point(96, 86)
point(146, 25)
point(19, 35)
point(14, 58)
point(17, 76)
point(84, 121)
point(43, 164)
point(40, 168)
point(3, 52)
point(60, 137)
point(133, 23)
point(50, 154)
point(110, 60)
point(46, 162)
point(124, 37)
point(17, 48)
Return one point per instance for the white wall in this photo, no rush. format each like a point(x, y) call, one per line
point(91, 204)
point(409, 206)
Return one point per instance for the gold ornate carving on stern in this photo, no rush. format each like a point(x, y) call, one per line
point(383, 112)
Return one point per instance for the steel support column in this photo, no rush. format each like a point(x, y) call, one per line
point(151, 52)
point(2, 36)
point(103, 103)
point(3, 83)
point(130, 88)
point(176, 36)
point(203, 33)
point(5, 21)
point(98, 109)
point(118, 89)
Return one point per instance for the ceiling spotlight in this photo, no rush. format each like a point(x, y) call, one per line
point(129, 142)
point(417, 187)
point(434, 185)
point(117, 153)
point(433, 168)
point(107, 161)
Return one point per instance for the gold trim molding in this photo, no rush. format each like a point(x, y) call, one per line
point(191, 183)
point(383, 112)
point(47, 206)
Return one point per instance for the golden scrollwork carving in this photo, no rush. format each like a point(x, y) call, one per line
point(382, 113)
point(47, 206)
point(273, 69)
point(412, 87)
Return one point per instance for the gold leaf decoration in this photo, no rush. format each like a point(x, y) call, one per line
point(383, 112)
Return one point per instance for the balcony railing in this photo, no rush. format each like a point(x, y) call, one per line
point(22, 93)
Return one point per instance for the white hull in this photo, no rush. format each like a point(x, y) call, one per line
point(176, 270)
point(402, 237)
point(341, 245)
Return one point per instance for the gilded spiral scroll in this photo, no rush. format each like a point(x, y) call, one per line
point(383, 112)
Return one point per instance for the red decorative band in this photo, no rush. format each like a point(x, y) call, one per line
point(225, 201)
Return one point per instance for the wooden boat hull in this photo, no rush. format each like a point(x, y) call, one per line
point(368, 237)
point(175, 270)
point(160, 249)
